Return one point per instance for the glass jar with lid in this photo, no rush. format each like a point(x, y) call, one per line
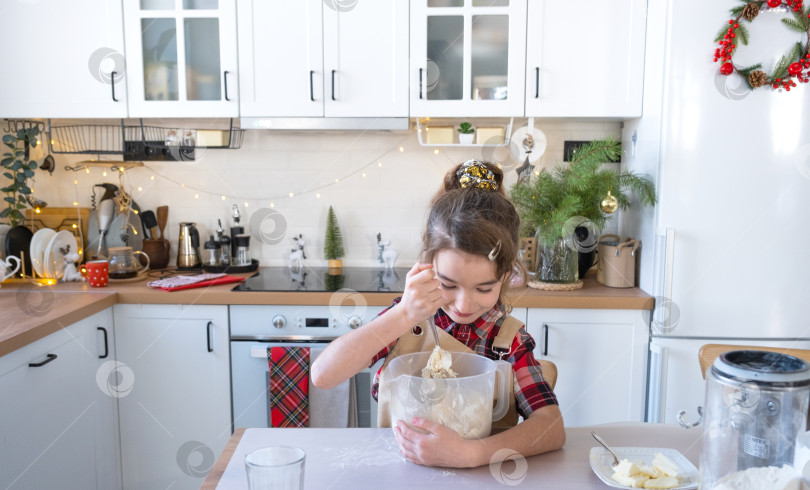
point(756, 406)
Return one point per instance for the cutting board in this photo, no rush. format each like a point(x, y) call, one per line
point(60, 219)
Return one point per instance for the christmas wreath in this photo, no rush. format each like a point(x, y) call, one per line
point(790, 66)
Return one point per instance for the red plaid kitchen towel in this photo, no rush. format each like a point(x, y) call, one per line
point(289, 386)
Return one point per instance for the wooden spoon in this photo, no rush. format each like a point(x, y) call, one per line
point(162, 218)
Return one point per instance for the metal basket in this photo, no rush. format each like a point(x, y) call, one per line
point(103, 139)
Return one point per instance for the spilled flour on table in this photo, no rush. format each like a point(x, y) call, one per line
point(381, 452)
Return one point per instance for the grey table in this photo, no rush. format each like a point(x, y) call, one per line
point(369, 458)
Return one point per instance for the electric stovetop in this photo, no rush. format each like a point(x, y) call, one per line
point(314, 279)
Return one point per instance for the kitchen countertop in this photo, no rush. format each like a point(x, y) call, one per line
point(32, 312)
point(356, 458)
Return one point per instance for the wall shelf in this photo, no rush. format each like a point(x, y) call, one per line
point(423, 125)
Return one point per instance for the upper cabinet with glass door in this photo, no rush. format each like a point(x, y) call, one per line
point(181, 58)
point(467, 58)
point(585, 59)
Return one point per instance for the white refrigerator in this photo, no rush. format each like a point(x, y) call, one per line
point(725, 251)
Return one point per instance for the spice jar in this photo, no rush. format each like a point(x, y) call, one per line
point(211, 253)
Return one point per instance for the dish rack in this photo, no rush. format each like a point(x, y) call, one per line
point(140, 142)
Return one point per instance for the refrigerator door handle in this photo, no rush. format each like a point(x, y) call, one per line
point(656, 373)
point(661, 317)
point(670, 258)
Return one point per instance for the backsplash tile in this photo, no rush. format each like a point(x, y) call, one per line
point(391, 199)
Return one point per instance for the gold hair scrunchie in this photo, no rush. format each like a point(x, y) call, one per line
point(475, 174)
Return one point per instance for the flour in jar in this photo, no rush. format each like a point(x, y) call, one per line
point(770, 477)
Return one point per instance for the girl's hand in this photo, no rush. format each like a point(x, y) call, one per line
point(439, 447)
point(422, 296)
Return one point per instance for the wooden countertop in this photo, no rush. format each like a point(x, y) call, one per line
point(31, 312)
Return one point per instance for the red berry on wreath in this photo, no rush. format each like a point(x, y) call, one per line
point(726, 68)
point(774, 3)
point(795, 69)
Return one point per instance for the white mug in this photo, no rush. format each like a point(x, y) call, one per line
point(4, 264)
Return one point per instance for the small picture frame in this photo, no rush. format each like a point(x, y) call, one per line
point(439, 135)
point(489, 136)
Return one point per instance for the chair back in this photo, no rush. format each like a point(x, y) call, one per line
point(709, 352)
point(549, 372)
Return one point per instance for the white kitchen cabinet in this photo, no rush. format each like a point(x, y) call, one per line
point(585, 59)
point(58, 424)
point(176, 419)
point(312, 58)
point(46, 76)
point(601, 359)
point(676, 381)
point(181, 58)
point(467, 58)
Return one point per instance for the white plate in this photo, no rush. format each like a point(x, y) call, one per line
point(54, 257)
point(601, 461)
point(39, 242)
point(3, 230)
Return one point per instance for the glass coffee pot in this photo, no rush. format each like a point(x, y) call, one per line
point(124, 265)
point(756, 406)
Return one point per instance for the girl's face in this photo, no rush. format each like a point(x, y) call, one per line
point(468, 283)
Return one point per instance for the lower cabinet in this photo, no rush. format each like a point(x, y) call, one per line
point(601, 359)
point(58, 419)
point(175, 401)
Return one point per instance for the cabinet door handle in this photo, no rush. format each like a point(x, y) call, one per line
point(106, 344)
point(208, 336)
point(311, 92)
point(545, 339)
point(112, 84)
point(420, 83)
point(333, 85)
point(225, 78)
point(537, 82)
point(50, 358)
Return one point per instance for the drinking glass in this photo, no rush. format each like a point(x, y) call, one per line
point(275, 468)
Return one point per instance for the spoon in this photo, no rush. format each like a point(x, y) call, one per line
point(604, 444)
point(433, 328)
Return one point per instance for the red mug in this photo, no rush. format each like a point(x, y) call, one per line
point(98, 273)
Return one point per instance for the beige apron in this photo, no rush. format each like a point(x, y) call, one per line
point(411, 343)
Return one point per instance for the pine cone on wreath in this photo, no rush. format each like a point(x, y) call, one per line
point(757, 78)
point(751, 11)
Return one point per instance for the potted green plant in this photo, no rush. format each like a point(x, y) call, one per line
point(554, 203)
point(465, 133)
point(333, 244)
point(17, 168)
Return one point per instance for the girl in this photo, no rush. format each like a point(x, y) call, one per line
point(469, 252)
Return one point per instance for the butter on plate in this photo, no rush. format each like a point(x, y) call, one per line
point(662, 474)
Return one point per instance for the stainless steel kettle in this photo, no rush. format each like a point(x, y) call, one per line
point(188, 247)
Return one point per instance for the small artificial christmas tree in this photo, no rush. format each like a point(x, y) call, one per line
point(333, 243)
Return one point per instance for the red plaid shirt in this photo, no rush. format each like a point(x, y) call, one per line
point(531, 389)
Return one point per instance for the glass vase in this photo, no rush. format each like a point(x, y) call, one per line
point(557, 262)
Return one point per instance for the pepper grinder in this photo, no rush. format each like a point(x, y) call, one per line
point(242, 247)
point(236, 230)
point(212, 252)
point(224, 244)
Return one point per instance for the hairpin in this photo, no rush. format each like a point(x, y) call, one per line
point(493, 254)
point(475, 174)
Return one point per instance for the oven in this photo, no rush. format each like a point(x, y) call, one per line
point(255, 328)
